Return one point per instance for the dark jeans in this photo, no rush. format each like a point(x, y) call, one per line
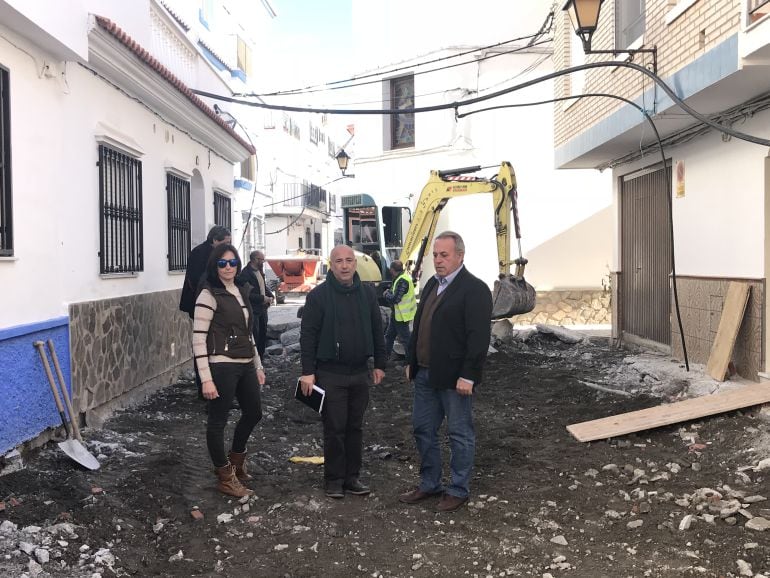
point(430, 407)
point(343, 415)
point(233, 380)
point(400, 328)
point(259, 331)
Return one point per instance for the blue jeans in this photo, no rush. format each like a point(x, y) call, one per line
point(430, 407)
point(400, 328)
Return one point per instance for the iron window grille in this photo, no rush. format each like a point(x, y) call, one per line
point(179, 234)
point(120, 202)
point(223, 212)
point(402, 124)
point(6, 205)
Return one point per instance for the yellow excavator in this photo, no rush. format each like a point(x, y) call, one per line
point(380, 234)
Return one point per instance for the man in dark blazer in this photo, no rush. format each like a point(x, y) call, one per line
point(261, 297)
point(446, 354)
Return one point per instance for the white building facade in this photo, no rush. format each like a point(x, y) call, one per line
point(710, 189)
point(565, 216)
point(112, 170)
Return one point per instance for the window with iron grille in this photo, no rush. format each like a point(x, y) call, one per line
point(402, 124)
point(179, 236)
point(223, 213)
point(6, 214)
point(120, 202)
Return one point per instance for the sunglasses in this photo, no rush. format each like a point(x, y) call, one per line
point(222, 263)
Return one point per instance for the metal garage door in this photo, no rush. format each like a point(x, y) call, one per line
point(645, 255)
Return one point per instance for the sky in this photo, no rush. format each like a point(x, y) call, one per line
point(309, 39)
point(314, 41)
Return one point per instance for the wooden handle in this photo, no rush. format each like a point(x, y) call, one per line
point(63, 384)
point(39, 346)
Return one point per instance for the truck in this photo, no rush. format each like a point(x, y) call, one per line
point(380, 234)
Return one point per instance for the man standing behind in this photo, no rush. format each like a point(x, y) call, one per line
point(196, 268)
point(341, 329)
point(401, 297)
point(261, 297)
point(446, 354)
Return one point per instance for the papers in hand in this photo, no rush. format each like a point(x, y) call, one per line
point(315, 400)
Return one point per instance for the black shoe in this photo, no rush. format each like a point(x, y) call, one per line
point(357, 489)
point(334, 490)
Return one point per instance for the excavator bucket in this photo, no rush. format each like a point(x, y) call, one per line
point(512, 296)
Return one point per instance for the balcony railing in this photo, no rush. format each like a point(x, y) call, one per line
point(310, 196)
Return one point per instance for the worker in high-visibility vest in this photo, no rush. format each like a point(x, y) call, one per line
point(402, 298)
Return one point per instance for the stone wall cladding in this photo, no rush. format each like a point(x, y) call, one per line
point(122, 343)
point(700, 304)
point(678, 43)
point(569, 308)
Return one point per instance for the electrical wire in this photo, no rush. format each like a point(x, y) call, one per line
point(669, 192)
point(544, 29)
point(454, 105)
point(418, 73)
point(327, 213)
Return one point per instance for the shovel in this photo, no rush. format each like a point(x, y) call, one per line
point(72, 447)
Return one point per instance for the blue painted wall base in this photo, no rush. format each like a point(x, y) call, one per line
point(27, 406)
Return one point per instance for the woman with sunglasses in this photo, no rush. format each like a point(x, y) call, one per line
point(228, 364)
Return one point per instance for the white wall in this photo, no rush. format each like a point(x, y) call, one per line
point(719, 223)
point(55, 189)
point(553, 205)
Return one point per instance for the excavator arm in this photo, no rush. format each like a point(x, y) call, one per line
point(512, 295)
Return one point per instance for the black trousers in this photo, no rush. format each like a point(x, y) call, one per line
point(259, 331)
point(233, 380)
point(343, 417)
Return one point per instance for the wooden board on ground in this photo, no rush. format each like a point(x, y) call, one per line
point(689, 409)
point(729, 324)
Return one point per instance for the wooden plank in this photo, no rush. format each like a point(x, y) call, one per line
point(689, 409)
point(729, 324)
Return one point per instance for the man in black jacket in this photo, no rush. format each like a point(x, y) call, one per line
point(341, 330)
point(260, 297)
point(196, 269)
point(445, 357)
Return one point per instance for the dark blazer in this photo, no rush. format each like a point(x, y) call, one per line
point(196, 268)
point(460, 331)
point(249, 275)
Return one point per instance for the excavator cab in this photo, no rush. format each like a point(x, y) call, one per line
point(381, 234)
point(376, 233)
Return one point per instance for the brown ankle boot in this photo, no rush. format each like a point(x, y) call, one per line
point(229, 483)
point(239, 461)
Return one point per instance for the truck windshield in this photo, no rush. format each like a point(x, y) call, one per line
point(395, 225)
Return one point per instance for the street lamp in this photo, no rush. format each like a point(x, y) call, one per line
point(584, 16)
point(342, 161)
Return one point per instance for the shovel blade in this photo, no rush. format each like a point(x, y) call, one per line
point(512, 296)
point(80, 454)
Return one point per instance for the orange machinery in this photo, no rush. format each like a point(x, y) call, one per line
point(297, 273)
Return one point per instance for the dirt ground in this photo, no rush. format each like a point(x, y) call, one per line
point(542, 502)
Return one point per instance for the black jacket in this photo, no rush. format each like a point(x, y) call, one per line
point(249, 275)
point(351, 354)
point(196, 268)
point(460, 331)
